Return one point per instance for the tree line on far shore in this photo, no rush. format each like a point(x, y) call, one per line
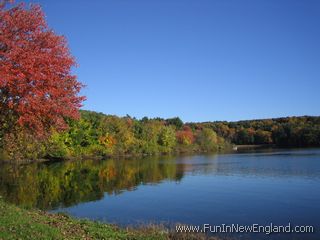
point(97, 134)
point(282, 132)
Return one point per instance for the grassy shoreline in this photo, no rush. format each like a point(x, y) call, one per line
point(20, 223)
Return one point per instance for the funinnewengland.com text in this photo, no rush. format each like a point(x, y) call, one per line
point(236, 228)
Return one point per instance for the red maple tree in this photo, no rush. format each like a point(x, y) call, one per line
point(37, 88)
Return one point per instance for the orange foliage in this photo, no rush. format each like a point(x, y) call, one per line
point(37, 86)
point(185, 136)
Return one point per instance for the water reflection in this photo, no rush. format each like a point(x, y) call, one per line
point(64, 184)
point(48, 186)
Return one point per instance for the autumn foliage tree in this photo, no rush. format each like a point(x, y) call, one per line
point(185, 136)
point(37, 89)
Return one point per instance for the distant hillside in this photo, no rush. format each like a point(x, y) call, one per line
point(100, 135)
point(284, 132)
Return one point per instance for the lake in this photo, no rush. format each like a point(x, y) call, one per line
point(272, 186)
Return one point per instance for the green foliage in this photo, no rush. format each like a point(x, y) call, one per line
point(57, 147)
point(207, 140)
point(167, 139)
point(283, 132)
point(177, 122)
point(96, 134)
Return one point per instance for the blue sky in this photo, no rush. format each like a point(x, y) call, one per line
point(201, 60)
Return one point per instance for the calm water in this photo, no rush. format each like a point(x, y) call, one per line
point(244, 188)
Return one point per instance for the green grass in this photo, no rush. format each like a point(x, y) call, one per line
point(19, 223)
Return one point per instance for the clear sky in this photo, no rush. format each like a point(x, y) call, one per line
point(201, 60)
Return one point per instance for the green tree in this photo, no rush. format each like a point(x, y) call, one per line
point(167, 138)
point(207, 139)
point(177, 122)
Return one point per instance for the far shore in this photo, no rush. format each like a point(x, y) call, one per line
point(229, 149)
point(253, 146)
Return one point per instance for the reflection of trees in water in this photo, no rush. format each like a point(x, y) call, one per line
point(54, 185)
point(49, 186)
